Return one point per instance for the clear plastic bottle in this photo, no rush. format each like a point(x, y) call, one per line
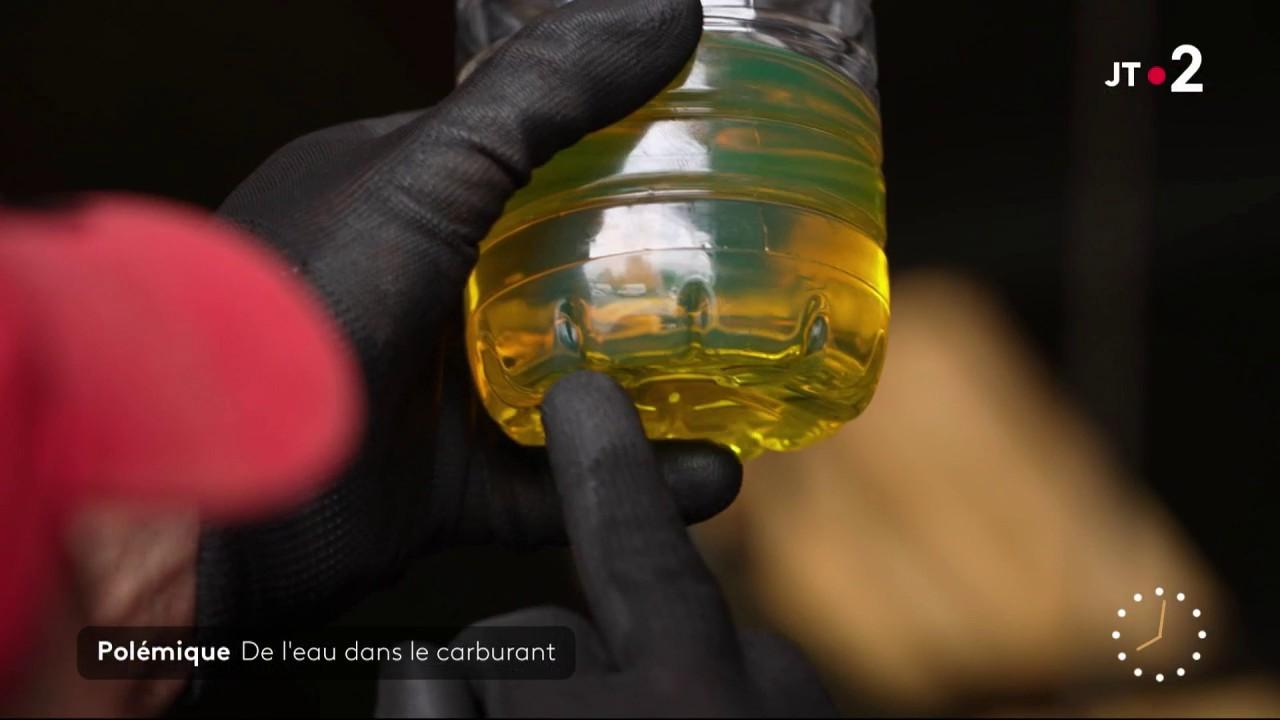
point(719, 252)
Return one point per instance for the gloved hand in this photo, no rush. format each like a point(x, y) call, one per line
point(383, 217)
point(662, 641)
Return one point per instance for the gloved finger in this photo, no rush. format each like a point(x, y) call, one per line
point(514, 499)
point(782, 672)
point(509, 495)
point(649, 591)
point(703, 478)
point(567, 73)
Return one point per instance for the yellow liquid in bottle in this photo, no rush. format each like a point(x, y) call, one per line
point(719, 253)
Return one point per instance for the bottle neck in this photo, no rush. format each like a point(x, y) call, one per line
point(838, 33)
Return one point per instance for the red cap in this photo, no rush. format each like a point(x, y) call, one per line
point(151, 352)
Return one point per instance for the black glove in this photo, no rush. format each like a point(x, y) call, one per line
point(662, 642)
point(383, 217)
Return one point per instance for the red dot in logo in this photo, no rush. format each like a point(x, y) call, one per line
point(1155, 75)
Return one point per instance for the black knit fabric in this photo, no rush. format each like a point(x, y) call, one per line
point(660, 641)
point(383, 218)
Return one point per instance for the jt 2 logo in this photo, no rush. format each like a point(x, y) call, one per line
point(1156, 74)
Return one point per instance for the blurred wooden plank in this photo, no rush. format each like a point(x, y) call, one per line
point(969, 536)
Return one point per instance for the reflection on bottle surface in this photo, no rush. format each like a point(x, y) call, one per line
point(719, 253)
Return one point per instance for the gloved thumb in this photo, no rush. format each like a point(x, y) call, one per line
point(568, 73)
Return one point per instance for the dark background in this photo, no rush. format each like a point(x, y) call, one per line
point(1132, 230)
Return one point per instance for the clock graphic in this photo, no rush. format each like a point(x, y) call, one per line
point(1159, 636)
